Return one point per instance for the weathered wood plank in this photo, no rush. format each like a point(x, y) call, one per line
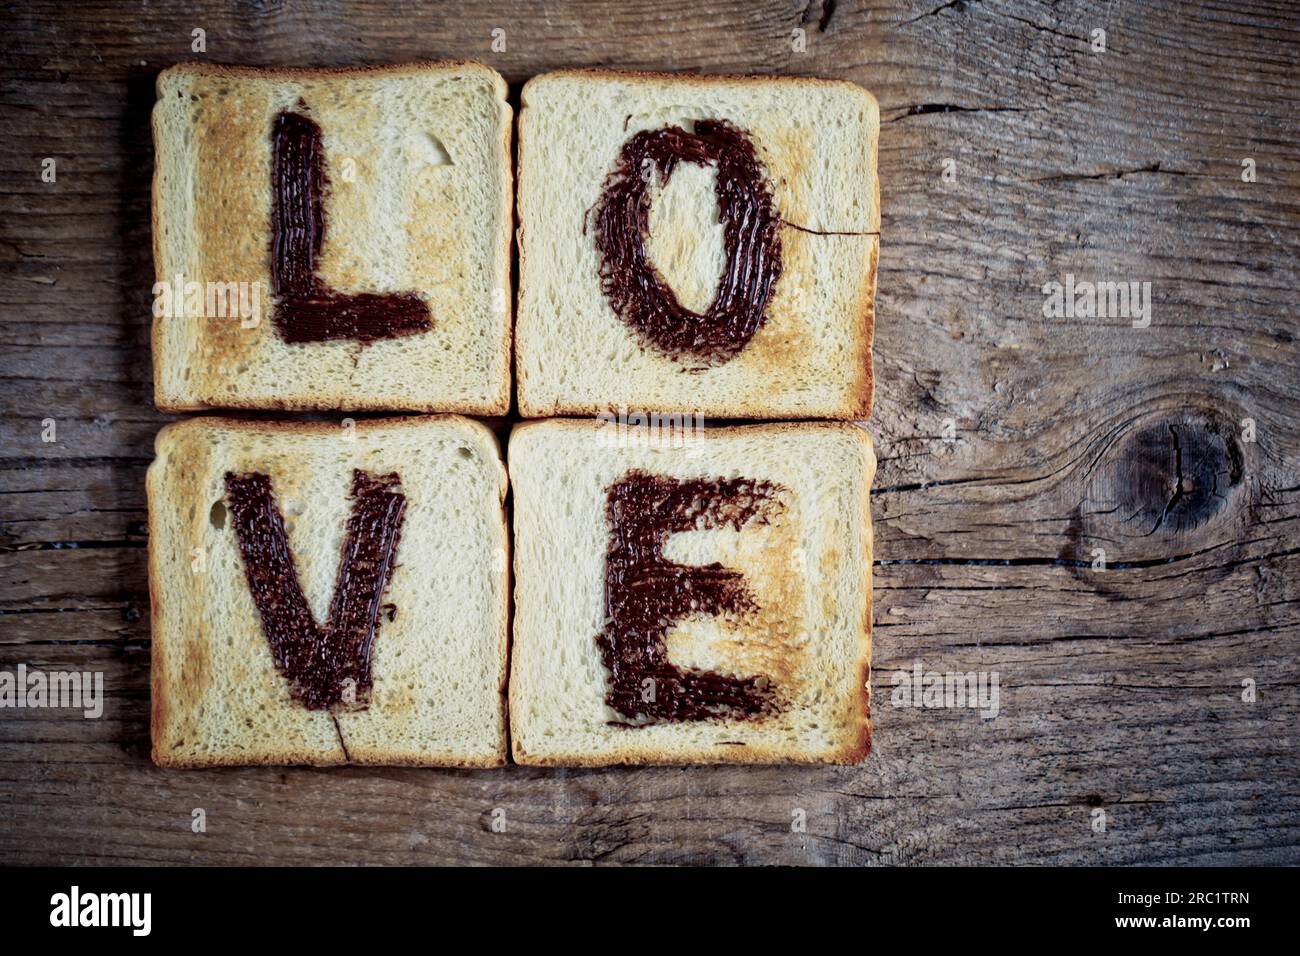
point(1076, 733)
point(1012, 445)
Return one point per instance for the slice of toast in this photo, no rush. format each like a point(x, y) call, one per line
point(332, 239)
point(279, 550)
point(696, 243)
point(746, 639)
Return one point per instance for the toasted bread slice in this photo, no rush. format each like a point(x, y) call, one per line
point(437, 661)
point(415, 195)
point(581, 344)
point(746, 639)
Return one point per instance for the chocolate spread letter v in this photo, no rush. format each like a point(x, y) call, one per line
point(751, 243)
point(646, 594)
point(308, 309)
point(325, 665)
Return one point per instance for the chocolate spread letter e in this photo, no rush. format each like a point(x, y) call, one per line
point(646, 594)
point(328, 665)
point(308, 309)
point(752, 245)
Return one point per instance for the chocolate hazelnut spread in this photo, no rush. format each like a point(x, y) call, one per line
point(326, 666)
point(646, 594)
point(751, 242)
point(308, 309)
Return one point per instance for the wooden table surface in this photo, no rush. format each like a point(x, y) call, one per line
point(1012, 445)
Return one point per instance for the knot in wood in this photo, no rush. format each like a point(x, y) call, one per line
point(1176, 474)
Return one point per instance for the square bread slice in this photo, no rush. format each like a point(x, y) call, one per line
point(691, 597)
point(437, 662)
point(636, 290)
point(406, 229)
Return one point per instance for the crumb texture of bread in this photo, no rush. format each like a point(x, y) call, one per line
point(419, 200)
point(808, 568)
point(439, 663)
point(811, 357)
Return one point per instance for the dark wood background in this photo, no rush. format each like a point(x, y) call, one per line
point(1122, 688)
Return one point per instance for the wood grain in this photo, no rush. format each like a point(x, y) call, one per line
point(1012, 446)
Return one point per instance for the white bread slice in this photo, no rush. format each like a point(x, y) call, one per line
point(419, 201)
point(808, 569)
point(439, 663)
point(811, 357)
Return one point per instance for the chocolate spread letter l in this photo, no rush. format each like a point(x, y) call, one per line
point(308, 309)
point(646, 594)
point(325, 665)
point(752, 245)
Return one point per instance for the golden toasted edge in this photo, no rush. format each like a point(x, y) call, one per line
point(504, 542)
point(500, 405)
point(342, 404)
point(292, 425)
point(505, 246)
point(854, 405)
point(164, 757)
point(683, 758)
point(694, 79)
point(158, 712)
point(718, 431)
point(512, 684)
point(303, 758)
point(522, 400)
point(861, 747)
point(863, 393)
point(204, 68)
point(859, 401)
point(155, 205)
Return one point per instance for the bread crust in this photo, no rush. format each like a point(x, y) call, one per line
point(500, 403)
point(853, 749)
point(858, 399)
point(703, 79)
point(288, 755)
point(325, 72)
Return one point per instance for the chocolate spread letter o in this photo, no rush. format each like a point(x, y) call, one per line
point(325, 665)
point(308, 309)
point(751, 242)
point(646, 594)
